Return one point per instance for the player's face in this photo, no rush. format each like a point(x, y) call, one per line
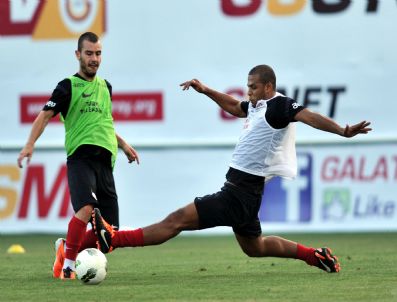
point(257, 90)
point(89, 58)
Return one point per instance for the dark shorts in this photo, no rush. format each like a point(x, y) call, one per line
point(91, 182)
point(230, 207)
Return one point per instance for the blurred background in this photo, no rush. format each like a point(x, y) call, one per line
point(336, 57)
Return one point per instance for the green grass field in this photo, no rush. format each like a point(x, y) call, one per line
point(208, 268)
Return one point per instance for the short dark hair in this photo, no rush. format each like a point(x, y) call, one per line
point(89, 36)
point(266, 74)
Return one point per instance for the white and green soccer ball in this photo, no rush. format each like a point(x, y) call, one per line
point(91, 266)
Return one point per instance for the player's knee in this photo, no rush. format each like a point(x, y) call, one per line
point(85, 213)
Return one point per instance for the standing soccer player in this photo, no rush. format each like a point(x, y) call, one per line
point(266, 148)
point(84, 103)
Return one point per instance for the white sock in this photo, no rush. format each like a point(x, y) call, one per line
point(69, 263)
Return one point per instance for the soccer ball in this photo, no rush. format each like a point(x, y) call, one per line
point(91, 266)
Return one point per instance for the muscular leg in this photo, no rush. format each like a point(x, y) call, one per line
point(273, 246)
point(183, 219)
point(269, 246)
point(89, 239)
point(84, 214)
point(75, 235)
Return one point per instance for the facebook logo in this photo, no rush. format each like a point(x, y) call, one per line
point(289, 200)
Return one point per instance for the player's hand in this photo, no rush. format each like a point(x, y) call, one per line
point(196, 84)
point(360, 128)
point(131, 154)
point(27, 152)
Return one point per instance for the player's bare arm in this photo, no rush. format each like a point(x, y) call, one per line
point(129, 151)
point(324, 123)
point(225, 101)
point(38, 127)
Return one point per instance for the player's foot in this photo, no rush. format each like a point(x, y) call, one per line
point(68, 274)
point(327, 261)
point(103, 231)
point(59, 257)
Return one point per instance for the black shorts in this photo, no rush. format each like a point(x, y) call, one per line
point(230, 207)
point(91, 182)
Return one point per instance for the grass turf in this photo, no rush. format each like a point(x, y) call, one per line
point(208, 268)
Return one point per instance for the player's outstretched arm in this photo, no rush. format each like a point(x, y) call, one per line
point(130, 152)
point(38, 127)
point(324, 123)
point(225, 101)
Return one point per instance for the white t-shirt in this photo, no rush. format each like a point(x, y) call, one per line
point(267, 143)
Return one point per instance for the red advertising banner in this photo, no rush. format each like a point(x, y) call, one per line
point(131, 107)
point(126, 107)
point(30, 107)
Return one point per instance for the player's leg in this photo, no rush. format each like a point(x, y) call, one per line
point(65, 255)
point(77, 228)
point(274, 246)
point(183, 219)
point(270, 246)
point(89, 241)
point(205, 212)
point(82, 186)
point(107, 195)
point(105, 218)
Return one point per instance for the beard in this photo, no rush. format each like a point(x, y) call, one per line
point(87, 70)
